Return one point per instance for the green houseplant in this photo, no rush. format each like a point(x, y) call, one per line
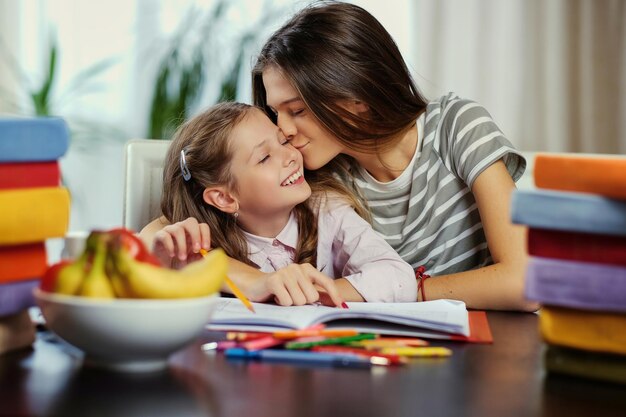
point(188, 65)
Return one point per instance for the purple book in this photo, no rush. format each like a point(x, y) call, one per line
point(17, 296)
point(581, 285)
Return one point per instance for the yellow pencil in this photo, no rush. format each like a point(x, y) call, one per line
point(236, 291)
point(416, 352)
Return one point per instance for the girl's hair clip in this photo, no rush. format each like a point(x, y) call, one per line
point(183, 166)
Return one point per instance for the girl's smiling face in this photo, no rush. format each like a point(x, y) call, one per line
point(268, 173)
point(297, 123)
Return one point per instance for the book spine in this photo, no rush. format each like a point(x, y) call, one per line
point(596, 175)
point(582, 285)
point(590, 331)
point(33, 214)
point(20, 262)
point(16, 296)
point(33, 139)
point(29, 174)
point(16, 332)
point(576, 212)
point(573, 246)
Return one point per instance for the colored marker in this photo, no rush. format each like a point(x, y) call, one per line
point(389, 342)
point(261, 343)
point(330, 341)
point(244, 336)
point(233, 287)
point(418, 352)
point(292, 334)
point(393, 359)
point(306, 358)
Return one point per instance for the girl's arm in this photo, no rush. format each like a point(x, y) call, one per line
point(499, 286)
point(177, 244)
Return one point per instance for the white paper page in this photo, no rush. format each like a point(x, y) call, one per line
point(232, 311)
point(443, 315)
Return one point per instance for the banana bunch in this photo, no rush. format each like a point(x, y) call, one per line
point(108, 269)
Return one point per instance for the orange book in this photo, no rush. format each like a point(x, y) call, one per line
point(605, 176)
point(21, 262)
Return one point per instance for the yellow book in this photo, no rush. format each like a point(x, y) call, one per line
point(29, 215)
point(587, 330)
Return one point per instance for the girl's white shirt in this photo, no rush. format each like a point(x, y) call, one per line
point(347, 247)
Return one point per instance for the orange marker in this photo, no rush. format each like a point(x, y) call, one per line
point(236, 291)
point(292, 334)
point(390, 342)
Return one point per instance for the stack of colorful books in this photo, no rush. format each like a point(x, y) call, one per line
point(576, 222)
point(33, 208)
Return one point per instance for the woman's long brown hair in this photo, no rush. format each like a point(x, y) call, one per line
point(332, 52)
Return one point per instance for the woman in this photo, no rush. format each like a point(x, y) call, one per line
point(437, 176)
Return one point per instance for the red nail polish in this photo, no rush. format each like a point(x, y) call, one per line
point(344, 305)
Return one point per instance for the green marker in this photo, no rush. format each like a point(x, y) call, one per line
point(331, 341)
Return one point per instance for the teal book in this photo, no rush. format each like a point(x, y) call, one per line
point(580, 363)
point(33, 139)
point(569, 211)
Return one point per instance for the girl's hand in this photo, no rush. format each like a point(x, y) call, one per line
point(178, 244)
point(296, 284)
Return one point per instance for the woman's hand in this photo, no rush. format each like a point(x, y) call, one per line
point(296, 284)
point(177, 244)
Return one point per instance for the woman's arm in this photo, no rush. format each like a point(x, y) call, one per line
point(499, 286)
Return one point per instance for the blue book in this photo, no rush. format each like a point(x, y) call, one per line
point(17, 296)
point(568, 211)
point(33, 139)
point(578, 285)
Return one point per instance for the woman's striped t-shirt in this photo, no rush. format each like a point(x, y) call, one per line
point(428, 214)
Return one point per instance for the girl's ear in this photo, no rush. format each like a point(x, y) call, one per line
point(221, 199)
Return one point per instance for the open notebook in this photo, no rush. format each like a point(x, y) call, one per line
point(439, 319)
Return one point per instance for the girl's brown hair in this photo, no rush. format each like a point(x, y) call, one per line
point(335, 52)
point(205, 140)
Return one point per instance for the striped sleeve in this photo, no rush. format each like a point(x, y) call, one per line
point(470, 142)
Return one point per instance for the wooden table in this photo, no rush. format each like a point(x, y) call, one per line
point(503, 379)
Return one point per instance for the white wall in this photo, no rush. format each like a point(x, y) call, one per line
point(467, 46)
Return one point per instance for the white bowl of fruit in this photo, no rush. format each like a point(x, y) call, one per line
point(124, 311)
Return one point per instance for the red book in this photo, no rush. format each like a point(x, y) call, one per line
point(22, 262)
point(29, 174)
point(576, 246)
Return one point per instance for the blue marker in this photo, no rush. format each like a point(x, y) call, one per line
point(306, 357)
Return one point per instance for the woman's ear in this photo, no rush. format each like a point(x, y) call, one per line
point(360, 107)
point(355, 106)
point(221, 199)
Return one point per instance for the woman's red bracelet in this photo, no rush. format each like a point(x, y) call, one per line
point(422, 276)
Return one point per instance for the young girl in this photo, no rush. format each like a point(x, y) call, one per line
point(231, 177)
point(437, 175)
